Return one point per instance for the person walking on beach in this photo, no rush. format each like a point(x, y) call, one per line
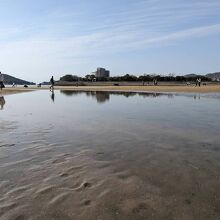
point(199, 82)
point(2, 81)
point(52, 83)
point(14, 85)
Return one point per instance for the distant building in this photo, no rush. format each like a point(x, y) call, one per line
point(102, 73)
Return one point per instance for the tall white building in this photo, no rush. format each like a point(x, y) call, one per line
point(102, 73)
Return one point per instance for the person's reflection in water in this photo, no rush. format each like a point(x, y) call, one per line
point(197, 96)
point(52, 95)
point(2, 102)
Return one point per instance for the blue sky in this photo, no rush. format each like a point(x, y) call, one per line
point(45, 37)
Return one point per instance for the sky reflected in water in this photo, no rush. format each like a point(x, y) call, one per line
point(163, 145)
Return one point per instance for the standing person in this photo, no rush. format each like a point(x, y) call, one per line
point(52, 83)
point(2, 81)
point(199, 81)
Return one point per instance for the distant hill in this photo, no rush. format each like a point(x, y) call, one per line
point(45, 83)
point(9, 80)
point(192, 75)
point(213, 76)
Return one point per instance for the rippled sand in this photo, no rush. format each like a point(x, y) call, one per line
point(154, 183)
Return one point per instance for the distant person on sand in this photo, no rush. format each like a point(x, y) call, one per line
point(199, 82)
point(2, 81)
point(52, 83)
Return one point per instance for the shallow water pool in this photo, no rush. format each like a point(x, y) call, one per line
point(109, 155)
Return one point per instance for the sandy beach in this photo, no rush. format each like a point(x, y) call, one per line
point(9, 91)
point(162, 88)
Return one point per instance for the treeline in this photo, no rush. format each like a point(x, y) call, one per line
point(133, 78)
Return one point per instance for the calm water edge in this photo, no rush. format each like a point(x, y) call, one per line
point(109, 155)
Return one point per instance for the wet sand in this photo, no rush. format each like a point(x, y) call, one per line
point(162, 184)
point(124, 170)
point(12, 91)
point(160, 88)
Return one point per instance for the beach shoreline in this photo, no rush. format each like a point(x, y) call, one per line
point(147, 88)
point(12, 91)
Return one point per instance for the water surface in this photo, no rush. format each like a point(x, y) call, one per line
point(109, 155)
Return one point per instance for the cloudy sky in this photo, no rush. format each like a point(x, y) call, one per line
point(45, 37)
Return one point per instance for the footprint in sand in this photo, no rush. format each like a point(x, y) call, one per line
point(84, 185)
point(87, 202)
